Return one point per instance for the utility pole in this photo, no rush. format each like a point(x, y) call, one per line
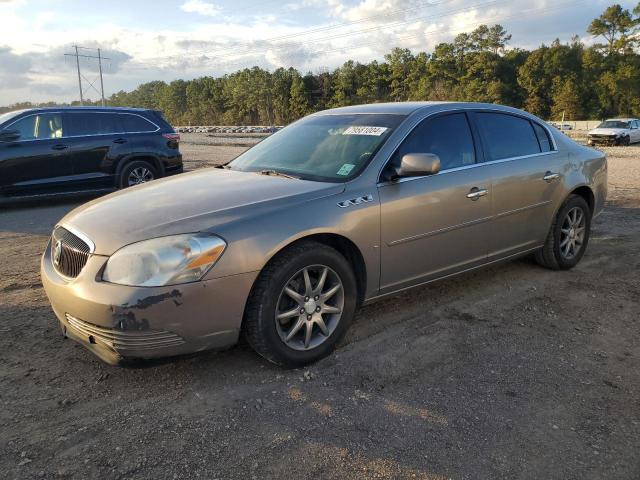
point(79, 77)
point(101, 82)
point(99, 57)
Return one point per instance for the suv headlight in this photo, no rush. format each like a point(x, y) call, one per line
point(165, 260)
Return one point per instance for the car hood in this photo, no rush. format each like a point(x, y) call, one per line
point(607, 131)
point(190, 202)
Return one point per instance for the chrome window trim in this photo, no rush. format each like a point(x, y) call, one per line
point(467, 109)
point(83, 136)
point(80, 235)
point(466, 167)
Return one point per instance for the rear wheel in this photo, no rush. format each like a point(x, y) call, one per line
point(136, 173)
point(568, 236)
point(301, 305)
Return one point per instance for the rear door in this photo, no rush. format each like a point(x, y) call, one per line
point(38, 162)
point(527, 172)
point(97, 141)
point(435, 225)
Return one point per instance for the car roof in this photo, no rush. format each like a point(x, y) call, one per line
point(620, 119)
point(407, 108)
point(84, 109)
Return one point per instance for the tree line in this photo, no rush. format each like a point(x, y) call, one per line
point(571, 79)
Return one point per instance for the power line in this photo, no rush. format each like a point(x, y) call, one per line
point(369, 30)
point(80, 76)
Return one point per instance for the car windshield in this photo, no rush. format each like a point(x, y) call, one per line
point(9, 115)
point(329, 148)
point(614, 124)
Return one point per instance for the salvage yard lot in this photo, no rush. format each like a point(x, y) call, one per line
point(509, 372)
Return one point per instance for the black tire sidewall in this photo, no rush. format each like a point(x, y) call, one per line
point(276, 281)
point(574, 201)
point(123, 181)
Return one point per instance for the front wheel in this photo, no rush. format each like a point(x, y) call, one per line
point(301, 305)
point(568, 237)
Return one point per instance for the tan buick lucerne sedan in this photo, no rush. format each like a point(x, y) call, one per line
point(338, 209)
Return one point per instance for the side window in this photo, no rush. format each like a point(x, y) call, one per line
point(92, 123)
point(36, 127)
point(134, 123)
point(448, 136)
point(543, 138)
point(507, 136)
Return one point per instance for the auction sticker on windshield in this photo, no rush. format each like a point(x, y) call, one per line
point(345, 169)
point(373, 131)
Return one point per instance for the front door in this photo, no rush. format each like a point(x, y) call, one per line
point(38, 162)
point(435, 225)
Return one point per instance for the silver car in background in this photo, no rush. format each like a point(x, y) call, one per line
point(341, 208)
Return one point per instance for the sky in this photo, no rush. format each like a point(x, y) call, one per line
point(148, 40)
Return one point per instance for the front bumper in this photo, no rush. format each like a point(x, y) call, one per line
point(604, 140)
point(119, 323)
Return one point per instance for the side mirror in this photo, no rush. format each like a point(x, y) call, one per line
point(418, 165)
point(9, 135)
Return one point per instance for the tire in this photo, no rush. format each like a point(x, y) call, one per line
point(626, 141)
point(129, 172)
point(268, 336)
point(554, 254)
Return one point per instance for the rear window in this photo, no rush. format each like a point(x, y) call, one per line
point(507, 136)
point(543, 137)
point(87, 123)
point(135, 123)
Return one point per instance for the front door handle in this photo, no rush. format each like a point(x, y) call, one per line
point(60, 146)
point(475, 193)
point(550, 177)
point(120, 140)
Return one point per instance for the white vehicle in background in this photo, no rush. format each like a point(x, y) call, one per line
point(616, 131)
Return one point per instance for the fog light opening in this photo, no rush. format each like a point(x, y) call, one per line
point(92, 340)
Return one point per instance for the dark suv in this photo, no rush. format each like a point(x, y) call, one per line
point(54, 151)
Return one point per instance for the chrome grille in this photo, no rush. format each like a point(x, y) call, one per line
point(123, 341)
point(69, 253)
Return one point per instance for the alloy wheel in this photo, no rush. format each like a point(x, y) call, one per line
point(309, 307)
point(572, 233)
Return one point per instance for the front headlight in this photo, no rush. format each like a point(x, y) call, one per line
point(164, 260)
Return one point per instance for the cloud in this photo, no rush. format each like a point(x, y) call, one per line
point(201, 7)
point(15, 69)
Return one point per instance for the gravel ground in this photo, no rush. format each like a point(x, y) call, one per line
point(510, 372)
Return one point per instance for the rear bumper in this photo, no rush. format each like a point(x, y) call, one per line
point(119, 323)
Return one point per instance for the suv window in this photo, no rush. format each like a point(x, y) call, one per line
point(543, 137)
point(507, 136)
point(134, 123)
point(448, 136)
point(39, 126)
point(92, 123)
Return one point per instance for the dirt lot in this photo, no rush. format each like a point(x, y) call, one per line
point(510, 372)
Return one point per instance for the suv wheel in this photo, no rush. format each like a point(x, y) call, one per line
point(568, 236)
point(137, 172)
point(301, 305)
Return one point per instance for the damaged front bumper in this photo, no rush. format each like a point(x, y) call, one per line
point(119, 323)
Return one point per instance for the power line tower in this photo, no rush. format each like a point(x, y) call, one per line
point(99, 57)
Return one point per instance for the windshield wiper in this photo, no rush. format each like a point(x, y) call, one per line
point(275, 173)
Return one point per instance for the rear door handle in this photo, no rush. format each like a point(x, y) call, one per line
point(550, 177)
point(120, 140)
point(60, 146)
point(475, 193)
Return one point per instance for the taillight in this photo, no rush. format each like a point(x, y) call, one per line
point(172, 136)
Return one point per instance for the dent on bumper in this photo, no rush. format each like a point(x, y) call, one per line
point(118, 322)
